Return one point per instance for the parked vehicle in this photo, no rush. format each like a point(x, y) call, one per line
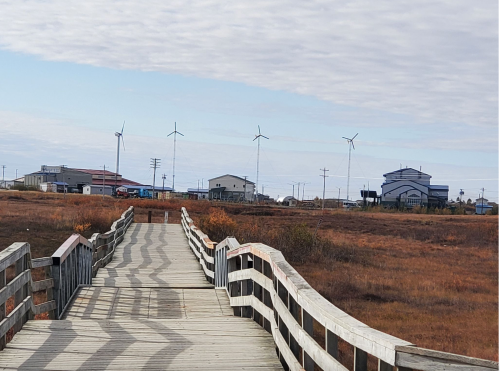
point(140, 193)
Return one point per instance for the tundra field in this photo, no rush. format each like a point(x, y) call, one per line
point(429, 279)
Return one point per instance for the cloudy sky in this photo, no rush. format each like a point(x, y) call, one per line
point(418, 80)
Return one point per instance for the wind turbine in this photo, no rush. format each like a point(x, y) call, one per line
point(351, 144)
point(258, 153)
point(119, 135)
point(175, 132)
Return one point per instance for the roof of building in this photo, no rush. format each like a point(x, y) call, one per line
point(234, 176)
point(95, 172)
point(406, 169)
point(439, 187)
point(95, 185)
point(197, 190)
point(285, 198)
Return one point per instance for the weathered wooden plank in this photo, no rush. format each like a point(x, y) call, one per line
point(15, 285)
point(42, 285)
point(41, 262)
point(15, 316)
point(13, 253)
point(44, 307)
point(453, 360)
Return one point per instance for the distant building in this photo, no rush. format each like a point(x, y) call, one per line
point(197, 193)
point(90, 189)
point(287, 201)
point(53, 187)
point(409, 187)
point(230, 188)
point(75, 178)
point(482, 206)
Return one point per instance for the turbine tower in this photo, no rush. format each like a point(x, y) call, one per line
point(119, 135)
point(258, 153)
point(350, 142)
point(175, 132)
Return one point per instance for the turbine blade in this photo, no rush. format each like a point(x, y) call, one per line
point(170, 134)
point(254, 138)
point(264, 136)
point(355, 136)
point(180, 133)
point(346, 138)
point(259, 128)
point(352, 144)
point(123, 127)
point(123, 143)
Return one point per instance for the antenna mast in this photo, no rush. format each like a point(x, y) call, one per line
point(258, 154)
point(351, 143)
point(175, 132)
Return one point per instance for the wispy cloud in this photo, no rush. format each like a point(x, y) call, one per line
point(434, 60)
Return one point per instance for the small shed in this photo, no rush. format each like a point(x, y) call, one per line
point(482, 206)
point(92, 189)
point(287, 201)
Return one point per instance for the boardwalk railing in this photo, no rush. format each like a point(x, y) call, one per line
point(305, 326)
point(73, 265)
point(202, 247)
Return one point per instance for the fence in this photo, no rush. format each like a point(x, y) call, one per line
point(72, 266)
point(305, 326)
point(203, 248)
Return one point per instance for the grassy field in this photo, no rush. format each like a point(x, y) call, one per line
point(429, 279)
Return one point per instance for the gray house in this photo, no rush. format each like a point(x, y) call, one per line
point(51, 174)
point(230, 188)
point(409, 187)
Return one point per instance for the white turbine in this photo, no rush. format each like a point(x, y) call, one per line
point(175, 132)
point(258, 154)
point(119, 135)
point(350, 141)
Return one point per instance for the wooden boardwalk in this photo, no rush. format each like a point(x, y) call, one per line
point(149, 308)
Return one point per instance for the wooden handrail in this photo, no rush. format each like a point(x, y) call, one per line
point(262, 285)
point(292, 306)
point(70, 267)
point(201, 246)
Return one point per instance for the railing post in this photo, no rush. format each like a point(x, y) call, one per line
point(307, 325)
point(50, 291)
point(3, 283)
point(360, 360)
point(19, 296)
point(56, 276)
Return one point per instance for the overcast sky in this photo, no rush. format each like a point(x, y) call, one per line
point(418, 80)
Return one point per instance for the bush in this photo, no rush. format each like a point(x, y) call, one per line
point(217, 225)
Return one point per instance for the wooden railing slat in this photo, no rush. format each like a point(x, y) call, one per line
point(15, 316)
point(41, 262)
point(14, 286)
point(42, 285)
point(13, 253)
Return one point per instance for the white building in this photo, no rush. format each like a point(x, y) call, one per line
point(409, 187)
point(97, 190)
point(230, 188)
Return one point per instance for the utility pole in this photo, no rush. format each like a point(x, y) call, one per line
point(155, 163)
point(103, 179)
point(338, 199)
point(298, 190)
point(324, 170)
point(163, 186)
point(461, 194)
point(303, 188)
point(64, 184)
point(245, 190)
point(16, 173)
point(3, 173)
point(293, 188)
point(482, 201)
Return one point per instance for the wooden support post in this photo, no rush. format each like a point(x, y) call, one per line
point(49, 291)
point(332, 346)
point(383, 366)
point(307, 325)
point(57, 291)
point(360, 360)
point(149, 216)
point(19, 295)
point(3, 283)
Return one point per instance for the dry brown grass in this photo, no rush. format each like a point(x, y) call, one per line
point(429, 279)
